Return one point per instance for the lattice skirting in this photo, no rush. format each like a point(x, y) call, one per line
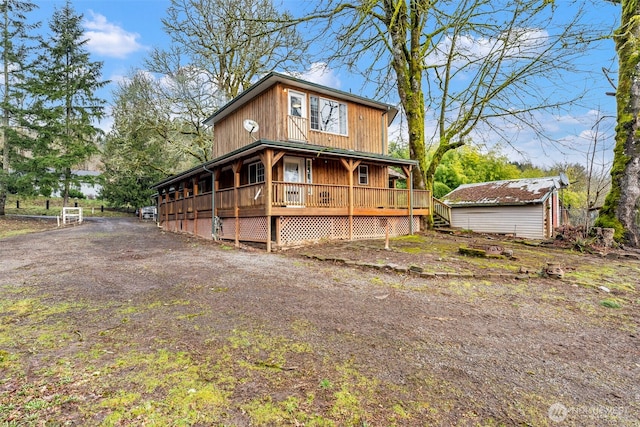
point(300, 230)
point(296, 230)
point(251, 229)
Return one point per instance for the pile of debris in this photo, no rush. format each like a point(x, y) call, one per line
point(596, 239)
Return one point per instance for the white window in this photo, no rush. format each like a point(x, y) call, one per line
point(297, 107)
point(309, 171)
point(256, 172)
point(363, 174)
point(328, 115)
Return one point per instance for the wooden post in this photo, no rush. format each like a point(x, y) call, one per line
point(195, 208)
point(351, 166)
point(237, 166)
point(267, 161)
point(386, 235)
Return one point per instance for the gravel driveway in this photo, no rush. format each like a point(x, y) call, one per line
point(116, 322)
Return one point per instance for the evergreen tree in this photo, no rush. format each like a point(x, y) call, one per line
point(64, 85)
point(15, 44)
point(136, 155)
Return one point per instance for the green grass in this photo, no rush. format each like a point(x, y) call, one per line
point(38, 206)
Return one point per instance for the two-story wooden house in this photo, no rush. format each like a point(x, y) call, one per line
point(295, 162)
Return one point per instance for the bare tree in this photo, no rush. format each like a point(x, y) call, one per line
point(216, 50)
point(463, 66)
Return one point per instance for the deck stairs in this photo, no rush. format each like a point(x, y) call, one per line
point(441, 214)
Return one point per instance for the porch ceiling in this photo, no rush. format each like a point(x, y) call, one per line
point(290, 147)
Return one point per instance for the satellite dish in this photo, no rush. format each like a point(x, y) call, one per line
point(564, 181)
point(251, 126)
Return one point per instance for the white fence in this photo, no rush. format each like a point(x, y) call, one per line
point(71, 216)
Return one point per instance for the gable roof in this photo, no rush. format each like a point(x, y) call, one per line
point(509, 192)
point(272, 78)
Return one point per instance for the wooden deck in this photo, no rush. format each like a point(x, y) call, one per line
point(298, 200)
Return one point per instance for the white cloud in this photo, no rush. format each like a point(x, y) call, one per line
point(109, 39)
point(320, 73)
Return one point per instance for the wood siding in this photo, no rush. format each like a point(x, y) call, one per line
point(230, 133)
point(523, 221)
point(366, 126)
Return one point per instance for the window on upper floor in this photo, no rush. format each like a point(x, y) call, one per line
point(328, 115)
point(256, 172)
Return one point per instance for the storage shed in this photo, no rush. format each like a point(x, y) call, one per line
point(521, 207)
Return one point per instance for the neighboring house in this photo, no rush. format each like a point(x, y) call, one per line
point(522, 207)
point(295, 162)
point(89, 185)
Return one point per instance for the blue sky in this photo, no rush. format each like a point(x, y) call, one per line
point(121, 33)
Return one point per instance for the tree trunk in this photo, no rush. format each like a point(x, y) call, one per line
point(5, 113)
point(620, 210)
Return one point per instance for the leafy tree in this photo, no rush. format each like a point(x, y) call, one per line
point(468, 165)
point(475, 63)
point(135, 155)
point(399, 150)
point(620, 210)
point(16, 42)
point(64, 85)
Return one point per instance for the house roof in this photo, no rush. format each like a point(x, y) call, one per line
point(291, 147)
point(272, 78)
point(509, 192)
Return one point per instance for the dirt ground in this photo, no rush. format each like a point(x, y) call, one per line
point(116, 322)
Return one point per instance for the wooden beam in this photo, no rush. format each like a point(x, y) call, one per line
point(350, 169)
point(276, 157)
point(348, 164)
point(406, 170)
point(237, 166)
point(268, 178)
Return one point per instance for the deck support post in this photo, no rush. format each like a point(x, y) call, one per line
point(410, 175)
point(195, 208)
point(166, 210)
point(350, 166)
point(267, 161)
point(237, 166)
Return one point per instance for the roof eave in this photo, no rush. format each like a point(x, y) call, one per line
point(273, 78)
point(292, 147)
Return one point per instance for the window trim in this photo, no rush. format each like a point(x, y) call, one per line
point(364, 168)
point(303, 103)
point(258, 165)
point(317, 117)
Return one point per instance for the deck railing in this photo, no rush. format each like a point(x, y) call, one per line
point(290, 194)
point(251, 195)
point(442, 210)
point(310, 195)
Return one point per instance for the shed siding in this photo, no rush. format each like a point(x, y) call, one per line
point(524, 221)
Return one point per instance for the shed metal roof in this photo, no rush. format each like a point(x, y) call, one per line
point(508, 192)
